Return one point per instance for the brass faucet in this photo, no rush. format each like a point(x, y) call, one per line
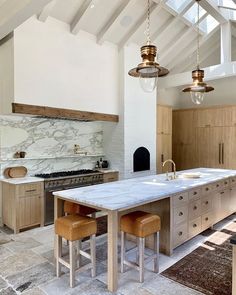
point(167, 176)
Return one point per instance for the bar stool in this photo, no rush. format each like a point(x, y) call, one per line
point(74, 228)
point(140, 224)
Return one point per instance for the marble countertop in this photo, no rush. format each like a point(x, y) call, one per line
point(120, 195)
point(22, 180)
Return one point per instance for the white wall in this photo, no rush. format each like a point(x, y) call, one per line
point(56, 68)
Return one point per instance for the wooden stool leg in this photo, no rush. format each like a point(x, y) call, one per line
point(79, 247)
point(156, 249)
point(72, 263)
point(93, 254)
point(122, 254)
point(58, 241)
point(141, 259)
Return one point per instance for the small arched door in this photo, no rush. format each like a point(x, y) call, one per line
point(141, 159)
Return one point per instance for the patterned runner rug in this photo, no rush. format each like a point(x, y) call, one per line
point(208, 269)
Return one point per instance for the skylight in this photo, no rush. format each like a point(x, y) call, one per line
point(208, 24)
point(178, 5)
point(191, 14)
point(227, 4)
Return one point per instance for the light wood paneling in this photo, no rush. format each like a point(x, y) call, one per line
point(164, 151)
point(110, 176)
point(164, 119)
point(214, 117)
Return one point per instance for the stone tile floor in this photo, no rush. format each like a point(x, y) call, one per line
point(27, 267)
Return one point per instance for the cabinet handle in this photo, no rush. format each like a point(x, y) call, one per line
point(226, 182)
point(233, 180)
point(180, 198)
point(206, 218)
point(162, 158)
point(195, 208)
point(207, 188)
point(180, 233)
point(181, 213)
point(222, 193)
point(30, 190)
point(206, 202)
point(217, 185)
point(219, 153)
point(194, 225)
point(195, 193)
point(223, 153)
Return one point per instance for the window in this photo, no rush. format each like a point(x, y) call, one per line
point(178, 5)
point(208, 24)
point(191, 14)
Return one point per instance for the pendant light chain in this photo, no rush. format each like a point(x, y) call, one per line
point(148, 24)
point(198, 32)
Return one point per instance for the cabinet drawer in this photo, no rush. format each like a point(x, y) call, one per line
point(207, 220)
point(195, 227)
point(30, 189)
point(206, 189)
point(206, 204)
point(232, 181)
point(180, 199)
point(180, 234)
point(194, 209)
point(194, 194)
point(180, 214)
point(110, 176)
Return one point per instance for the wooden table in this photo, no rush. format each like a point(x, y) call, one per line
point(118, 197)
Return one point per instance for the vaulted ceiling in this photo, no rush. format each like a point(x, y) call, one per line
point(173, 26)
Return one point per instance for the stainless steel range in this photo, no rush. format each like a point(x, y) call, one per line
point(57, 181)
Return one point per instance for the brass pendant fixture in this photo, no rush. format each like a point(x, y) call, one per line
point(148, 70)
point(198, 88)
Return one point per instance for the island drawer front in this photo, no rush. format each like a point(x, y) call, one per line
point(180, 214)
point(194, 209)
point(232, 181)
point(206, 189)
point(180, 199)
point(194, 194)
point(207, 220)
point(206, 204)
point(195, 227)
point(180, 234)
point(30, 189)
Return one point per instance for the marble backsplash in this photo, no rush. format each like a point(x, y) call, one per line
point(53, 138)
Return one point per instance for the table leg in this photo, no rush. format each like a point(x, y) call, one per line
point(112, 251)
point(58, 211)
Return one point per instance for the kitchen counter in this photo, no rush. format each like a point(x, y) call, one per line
point(22, 180)
point(121, 195)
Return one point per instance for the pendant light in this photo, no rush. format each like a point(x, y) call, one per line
point(148, 70)
point(198, 88)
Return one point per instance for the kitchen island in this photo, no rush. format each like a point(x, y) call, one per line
point(186, 206)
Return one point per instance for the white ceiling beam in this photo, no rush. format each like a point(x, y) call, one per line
point(211, 73)
point(212, 9)
point(13, 13)
point(153, 9)
point(189, 50)
point(44, 14)
point(112, 21)
point(226, 48)
point(75, 25)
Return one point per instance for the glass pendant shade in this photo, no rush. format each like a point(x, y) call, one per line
point(148, 84)
point(197, 97)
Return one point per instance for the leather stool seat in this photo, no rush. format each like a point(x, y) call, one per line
point(75, 227)
point(72, 208)
point(140, 224)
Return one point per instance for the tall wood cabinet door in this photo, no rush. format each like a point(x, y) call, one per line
point(164, 150)
point(229, 148)
point(164, 119)
point(214, 117)
point(29, 211)
point(209, 142)
point(184, 156)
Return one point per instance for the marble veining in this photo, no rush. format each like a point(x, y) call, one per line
point(123, 194)
point(43, 137)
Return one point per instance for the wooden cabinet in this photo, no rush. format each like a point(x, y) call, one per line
point(23, 205)
point(214, 117)
point(111, 176)
point(164, 135)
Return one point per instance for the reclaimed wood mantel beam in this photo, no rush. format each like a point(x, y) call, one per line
point(50, 112)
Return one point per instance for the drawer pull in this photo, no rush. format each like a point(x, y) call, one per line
point(217, 185)
point(180, 198)
point(207, 189)
point(195, 208)
point(30, 190)
point(233, 180)
point(206, 218)
point(181, 213)
point(195, 193)
point(206, 202)
point(194, 225)
point(226, 182)
point(180, 233)
point(222, 193)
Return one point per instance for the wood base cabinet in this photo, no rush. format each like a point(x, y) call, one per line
point(23, 205)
